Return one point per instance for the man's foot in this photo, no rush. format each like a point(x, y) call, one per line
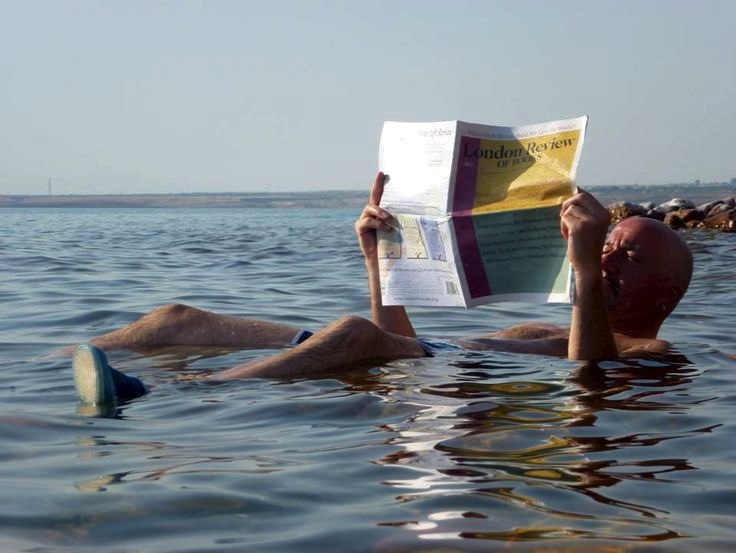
point(92, 376)
point(97, 382)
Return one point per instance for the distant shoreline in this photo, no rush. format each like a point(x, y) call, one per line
point(329, 199)
point(697, 193)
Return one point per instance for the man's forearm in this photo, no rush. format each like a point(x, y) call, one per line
point(591, 338)
point(392, 318)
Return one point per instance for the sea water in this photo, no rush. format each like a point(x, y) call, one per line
point(463, 452)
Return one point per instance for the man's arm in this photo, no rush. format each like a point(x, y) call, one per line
point(584, 224)
point(390, 318)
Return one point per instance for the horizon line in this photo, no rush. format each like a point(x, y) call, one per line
point(332, 191)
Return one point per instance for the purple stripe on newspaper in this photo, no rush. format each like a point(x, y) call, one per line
point(467, 174)
point(467, 244)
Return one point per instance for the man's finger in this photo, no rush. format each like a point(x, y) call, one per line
point(377, 188)
point(370, 224)
point(569, 208)
point(572, 200)
point(575, 211)
point(376, 212)
point(564, 230)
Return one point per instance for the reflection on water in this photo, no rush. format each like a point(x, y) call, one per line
point(475, 451)
point(539, 454)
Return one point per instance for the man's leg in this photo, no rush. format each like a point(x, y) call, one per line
point(181, 325)
point(348, 342)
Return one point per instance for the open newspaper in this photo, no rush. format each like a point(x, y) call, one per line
point(476, 212)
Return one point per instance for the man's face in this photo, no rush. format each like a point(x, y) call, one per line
point(635, 260)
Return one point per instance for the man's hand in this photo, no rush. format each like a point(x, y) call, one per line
point(372, 218)
point(390, 318)
point(584, 224)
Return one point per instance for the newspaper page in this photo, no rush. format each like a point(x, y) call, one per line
point(476, 212)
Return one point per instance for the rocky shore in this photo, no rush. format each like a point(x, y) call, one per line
point(679, 213)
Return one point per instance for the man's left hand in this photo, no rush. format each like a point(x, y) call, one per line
point(584, 224)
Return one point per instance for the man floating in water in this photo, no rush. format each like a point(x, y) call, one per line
point(626, 286)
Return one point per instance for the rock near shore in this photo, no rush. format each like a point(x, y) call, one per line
point(678, 213)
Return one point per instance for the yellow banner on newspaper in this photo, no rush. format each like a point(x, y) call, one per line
point(524, 173)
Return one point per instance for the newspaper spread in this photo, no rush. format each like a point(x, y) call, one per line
point(476, 212)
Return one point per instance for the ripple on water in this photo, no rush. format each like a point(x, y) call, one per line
point(475, 451)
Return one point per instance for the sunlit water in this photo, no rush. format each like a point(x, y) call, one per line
point(486, 452)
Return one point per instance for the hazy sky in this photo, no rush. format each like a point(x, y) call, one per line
point(133, 96)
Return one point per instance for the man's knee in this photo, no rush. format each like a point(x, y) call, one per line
point(356, 328)
point(173, 311)
point(171, 316)
point(355, 323)
point(364, 338)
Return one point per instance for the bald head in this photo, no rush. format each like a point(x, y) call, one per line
point(648, 267)
point(665, 245)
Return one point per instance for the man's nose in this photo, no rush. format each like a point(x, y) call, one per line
point(611, 259)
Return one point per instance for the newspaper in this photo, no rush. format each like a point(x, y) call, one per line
point(476, 212)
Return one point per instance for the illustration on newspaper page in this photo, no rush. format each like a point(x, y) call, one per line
point(476, 212)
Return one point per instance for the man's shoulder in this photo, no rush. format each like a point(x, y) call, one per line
point(632, 347)
point(531, 331)
point(537, 338)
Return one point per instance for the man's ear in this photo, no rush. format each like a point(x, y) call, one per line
point(669, 297)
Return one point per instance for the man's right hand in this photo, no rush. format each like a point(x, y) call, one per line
point(372, 218)
point(389, 318)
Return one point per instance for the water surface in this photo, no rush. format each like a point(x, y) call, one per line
point(476, 451)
